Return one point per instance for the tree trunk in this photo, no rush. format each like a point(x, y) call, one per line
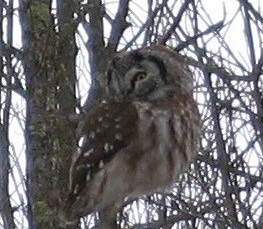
point(50, 82)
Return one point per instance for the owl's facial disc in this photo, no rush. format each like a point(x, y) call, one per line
point(143, 79)
point(135, 77)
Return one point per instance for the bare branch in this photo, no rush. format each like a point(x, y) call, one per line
point(214, 28)
point(176, 22)
point(118, 25)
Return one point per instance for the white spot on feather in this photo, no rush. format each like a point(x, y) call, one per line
point(92, 135)
point(105, 124)
point(117, 119)
point(107, 147)
point(118, 126)
point(101, 164)
point(88, 177)
point(119, 136)
point(86, 154)
point(76, 189)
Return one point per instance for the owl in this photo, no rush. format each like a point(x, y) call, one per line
point(141, 137)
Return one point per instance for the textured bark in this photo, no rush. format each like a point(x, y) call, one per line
point(50, 82)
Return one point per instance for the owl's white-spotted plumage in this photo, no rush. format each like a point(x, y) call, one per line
point(142, 137)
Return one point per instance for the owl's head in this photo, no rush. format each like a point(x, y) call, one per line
point(151, 73)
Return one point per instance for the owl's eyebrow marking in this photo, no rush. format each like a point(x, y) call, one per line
point(160, 65)
point(109, 76)
point(137, 56)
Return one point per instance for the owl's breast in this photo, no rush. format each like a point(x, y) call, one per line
point(170, 131)
point(134, 148)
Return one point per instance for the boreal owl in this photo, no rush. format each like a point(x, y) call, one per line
point(141, 137)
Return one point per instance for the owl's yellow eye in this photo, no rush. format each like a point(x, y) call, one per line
point(140, 76)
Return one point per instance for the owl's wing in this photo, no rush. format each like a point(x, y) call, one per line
point(133, 148)
point(107, 128)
